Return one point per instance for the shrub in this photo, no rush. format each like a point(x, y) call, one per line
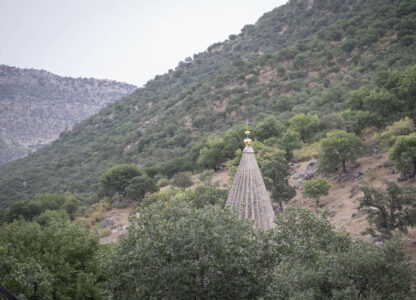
point(407, 40)
point(306, 152)
point(174, 166)
point(206, 177)
point(163, 182)
point(212, 155)
point(267, 128)
point(182, 179)
point(402, 127)
point(348, 45)
point(403, 153)
point(117, 178)
point(139, 186)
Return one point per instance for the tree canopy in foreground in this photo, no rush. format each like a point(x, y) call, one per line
point(179, 251)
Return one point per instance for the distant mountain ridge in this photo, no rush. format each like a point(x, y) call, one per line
point(36, 106)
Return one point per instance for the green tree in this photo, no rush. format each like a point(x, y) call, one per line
point(41, 203)
point(117, 178)
point(174, 166)
point(212, 155)
point(275, 171)
point(339, 147)
point(403, 153)
point(49, 201)
point(25, 209)
point(382, 105)
point(289, 142)
point(317, 262)
point(176, 250)
point(182, 179)
point(268, 128)
point(390, 209)
point(71, 206)
point(357, 120)
point(316, 188)
point(152, 171)
point(305, 125)
point(55, 261)
point(283, 103)
point(139, 186)
point(355, 100)
point(407, 87)
point(205, 195)
point(233, 140)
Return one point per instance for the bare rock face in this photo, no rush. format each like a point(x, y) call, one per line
point(36, 106)
point(310, 173)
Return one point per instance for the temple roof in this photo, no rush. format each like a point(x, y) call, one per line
point(248, 194)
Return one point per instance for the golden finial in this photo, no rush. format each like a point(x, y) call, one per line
point(247, 140)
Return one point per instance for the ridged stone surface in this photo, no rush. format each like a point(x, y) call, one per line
point(248, 194)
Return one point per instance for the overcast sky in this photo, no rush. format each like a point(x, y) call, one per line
point(130, 41)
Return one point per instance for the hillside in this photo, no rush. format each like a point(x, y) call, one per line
point(36, 106)
point(342, 201)
point(303, 57)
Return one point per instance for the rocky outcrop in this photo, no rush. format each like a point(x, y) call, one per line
point(36, 106)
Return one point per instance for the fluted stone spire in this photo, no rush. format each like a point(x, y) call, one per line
point(248, 194)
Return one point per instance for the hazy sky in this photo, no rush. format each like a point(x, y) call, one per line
point(130, 41)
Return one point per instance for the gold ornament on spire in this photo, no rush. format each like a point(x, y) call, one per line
point(247, 140)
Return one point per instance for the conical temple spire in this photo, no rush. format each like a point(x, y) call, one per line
point(248, 194)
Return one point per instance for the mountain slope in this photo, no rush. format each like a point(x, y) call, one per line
point(36, 106)
point(302, 57)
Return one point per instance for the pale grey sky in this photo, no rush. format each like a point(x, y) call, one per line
point(124, 40)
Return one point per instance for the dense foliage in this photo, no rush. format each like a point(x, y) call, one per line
point(67, 205)
point(185, 244)
point(403, 153)
point(118, 178)
point(56, 261)
point(389, 210)
point(177, 250)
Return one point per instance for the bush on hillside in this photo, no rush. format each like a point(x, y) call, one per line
point(403, 153)
point(402, 127)
point(116, 179)
point(139, 186)
point(182, 179)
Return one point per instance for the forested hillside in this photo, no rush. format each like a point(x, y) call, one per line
point(36, 106)
point(304, 57)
